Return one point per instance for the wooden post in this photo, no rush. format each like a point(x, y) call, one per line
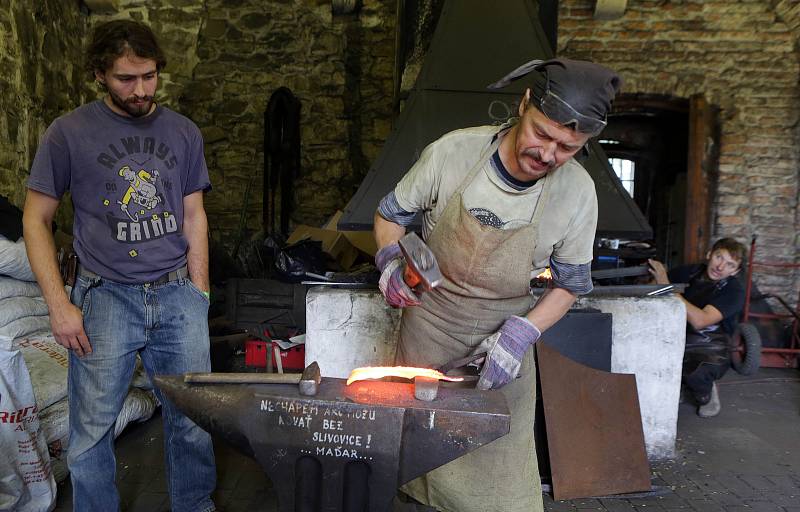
point(701, 168)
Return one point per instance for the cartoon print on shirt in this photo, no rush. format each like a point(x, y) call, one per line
point(141, 191)
point(140, 185)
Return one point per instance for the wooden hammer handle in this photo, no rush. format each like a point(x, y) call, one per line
point(242, 378)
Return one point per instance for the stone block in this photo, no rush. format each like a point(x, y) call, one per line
point(648, 336)
point(102, 6)
point(214, 28)
point(254, 21)
point(347, 329)
point(213, 134)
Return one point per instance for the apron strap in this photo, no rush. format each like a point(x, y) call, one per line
point(487, 152)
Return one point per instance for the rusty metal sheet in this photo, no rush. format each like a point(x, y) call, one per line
point(594, 429)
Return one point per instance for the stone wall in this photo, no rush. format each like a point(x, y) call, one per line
point(41, 77)
point(743, 57)
point(227, 57)
point(341, 69)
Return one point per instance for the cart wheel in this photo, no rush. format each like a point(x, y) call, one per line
point(746, 337)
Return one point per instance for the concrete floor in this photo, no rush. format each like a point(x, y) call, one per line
point(745, 459)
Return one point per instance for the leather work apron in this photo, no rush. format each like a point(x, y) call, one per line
point(487, 274)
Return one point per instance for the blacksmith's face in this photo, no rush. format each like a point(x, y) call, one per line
point(542, 144)
point(131, 83)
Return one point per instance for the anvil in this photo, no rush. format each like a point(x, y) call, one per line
point(349, 447)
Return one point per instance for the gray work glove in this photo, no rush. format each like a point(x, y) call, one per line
point(391, 263)
point(505, 350)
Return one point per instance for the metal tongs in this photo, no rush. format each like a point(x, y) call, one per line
point(461, 362)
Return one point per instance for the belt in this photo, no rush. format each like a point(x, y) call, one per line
point(181, 273)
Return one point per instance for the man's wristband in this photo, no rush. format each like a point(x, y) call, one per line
point(207, 294)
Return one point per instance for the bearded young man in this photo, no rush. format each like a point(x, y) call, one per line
point(137, 174)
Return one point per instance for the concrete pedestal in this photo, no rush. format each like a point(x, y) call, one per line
point(647, 340)
point(346, 329)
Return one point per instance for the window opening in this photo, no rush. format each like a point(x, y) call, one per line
point(624, 170)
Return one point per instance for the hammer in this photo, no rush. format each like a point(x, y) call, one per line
point(422, 271)
point(308, 381)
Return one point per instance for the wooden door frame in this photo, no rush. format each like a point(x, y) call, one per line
point(701, 173)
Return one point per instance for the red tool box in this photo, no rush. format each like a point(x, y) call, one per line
point(255, 354)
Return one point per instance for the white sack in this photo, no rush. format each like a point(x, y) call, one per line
point(26, 482)
point(14, 308)
point(25, 326)
point(14, 260)
point(54, 424)
point(10, 287)
point(139, 406)
point(140, 378)
point(47, 363)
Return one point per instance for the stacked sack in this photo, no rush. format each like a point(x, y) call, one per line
point(27, 482)
point(22, 307)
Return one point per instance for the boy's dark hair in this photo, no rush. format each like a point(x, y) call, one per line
point(113, 39)
point(734, 248)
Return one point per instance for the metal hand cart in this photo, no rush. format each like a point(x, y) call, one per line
point(748, 353)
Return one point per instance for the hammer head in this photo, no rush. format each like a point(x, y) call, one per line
point(310, 379)
point(421, 261)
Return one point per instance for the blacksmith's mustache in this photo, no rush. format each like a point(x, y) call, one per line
point(534, 153)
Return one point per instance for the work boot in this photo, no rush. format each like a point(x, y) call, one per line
point(713, 406)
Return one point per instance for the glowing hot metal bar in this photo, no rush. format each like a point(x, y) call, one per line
point(406, 372)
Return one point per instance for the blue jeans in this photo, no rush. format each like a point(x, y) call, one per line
point(168, 325)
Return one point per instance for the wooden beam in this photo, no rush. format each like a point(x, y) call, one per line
point(700, 170)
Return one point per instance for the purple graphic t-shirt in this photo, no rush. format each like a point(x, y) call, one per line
point(128, 177)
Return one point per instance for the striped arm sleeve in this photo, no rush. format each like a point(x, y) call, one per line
point(390, 210)
point(575, 278)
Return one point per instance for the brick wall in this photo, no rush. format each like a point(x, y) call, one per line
point(742, 56)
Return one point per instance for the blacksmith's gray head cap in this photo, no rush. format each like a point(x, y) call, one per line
point(573, 93)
